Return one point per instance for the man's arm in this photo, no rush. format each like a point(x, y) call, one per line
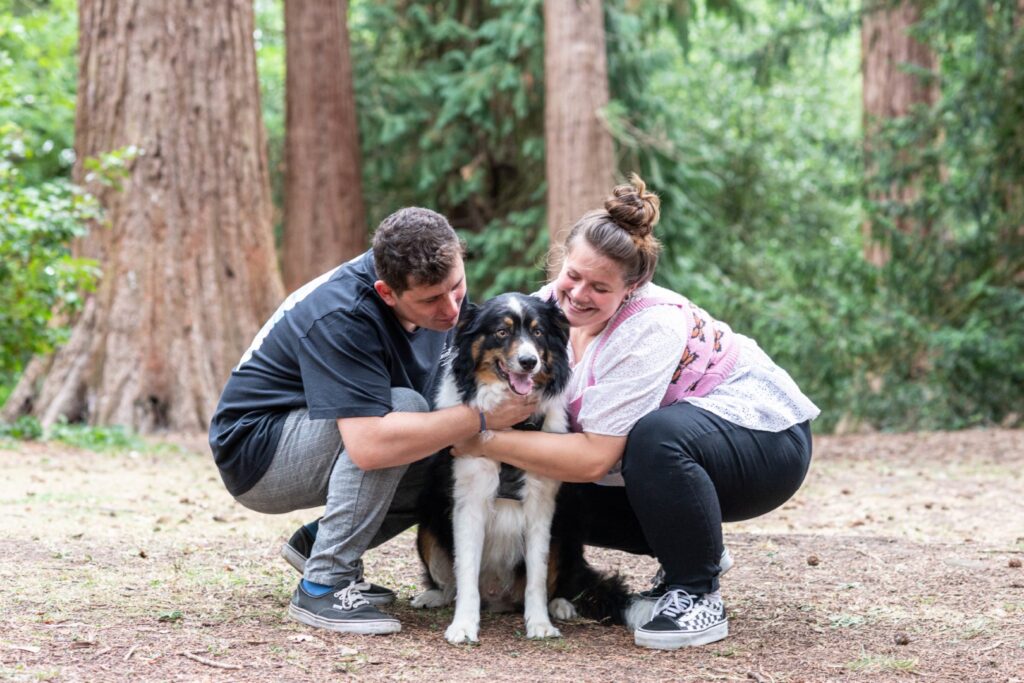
point(401, 438)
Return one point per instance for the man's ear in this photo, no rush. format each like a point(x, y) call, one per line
point(385, 293)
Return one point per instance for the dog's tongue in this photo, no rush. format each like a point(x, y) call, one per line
point(522, 382)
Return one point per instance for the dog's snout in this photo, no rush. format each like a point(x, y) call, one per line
point(527, 362)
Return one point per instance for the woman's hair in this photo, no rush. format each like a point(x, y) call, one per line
point(623, 231)
point(414, 247)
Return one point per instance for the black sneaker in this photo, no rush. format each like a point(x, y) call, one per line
point(681, 620)
point(342, 609)
point(296, 552)
point(641, 607)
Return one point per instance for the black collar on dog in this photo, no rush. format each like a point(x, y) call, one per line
point(533, 423)
point(510, 482)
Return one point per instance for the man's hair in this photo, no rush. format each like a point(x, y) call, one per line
point(415, 247)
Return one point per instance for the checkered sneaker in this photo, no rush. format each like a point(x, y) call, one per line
point(680, 620)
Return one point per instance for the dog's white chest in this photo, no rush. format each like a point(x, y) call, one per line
point(504, 521)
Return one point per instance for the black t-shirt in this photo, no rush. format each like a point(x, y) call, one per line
point(333, 347)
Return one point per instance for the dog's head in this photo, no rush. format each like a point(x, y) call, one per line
point(514, 340)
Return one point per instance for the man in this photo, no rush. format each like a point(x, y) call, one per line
point(328, 407)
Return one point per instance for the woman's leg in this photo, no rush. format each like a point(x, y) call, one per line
point(687, 471)
point(600, 516)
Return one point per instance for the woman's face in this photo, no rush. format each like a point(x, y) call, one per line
point(589, 288)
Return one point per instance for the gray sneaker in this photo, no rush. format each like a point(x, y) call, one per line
point(682, 620)
point(296, 552)
point(342, 609)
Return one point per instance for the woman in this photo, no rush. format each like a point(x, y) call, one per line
point(684, 423)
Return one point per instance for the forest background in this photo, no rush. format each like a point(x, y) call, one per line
point(876, 257)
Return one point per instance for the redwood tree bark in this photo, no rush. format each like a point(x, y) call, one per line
point(325, 221)
point(889, 91)
point(580, 159)
point(189, 269)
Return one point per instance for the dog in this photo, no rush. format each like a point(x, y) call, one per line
point(485, 532)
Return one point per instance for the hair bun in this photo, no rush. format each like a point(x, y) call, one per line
point(633, 208)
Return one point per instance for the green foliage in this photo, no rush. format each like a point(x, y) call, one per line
point(450, 104)
point(40, 211)
point(450, 101)
point(25, 428)
point(270, 62)
point(744, 116)
point(102, 439)
point(759, 181)
point(38, 71)
point(38, 276)
point(953, 282)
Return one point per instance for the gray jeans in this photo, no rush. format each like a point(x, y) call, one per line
point(363, 508)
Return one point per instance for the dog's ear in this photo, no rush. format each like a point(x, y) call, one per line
point(558, 334)
point(464, 364)
point(560, 327)
point(467, 316)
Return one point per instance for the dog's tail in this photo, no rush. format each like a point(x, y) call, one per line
point(596, 595)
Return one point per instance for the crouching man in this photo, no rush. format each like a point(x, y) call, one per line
point(329, 406)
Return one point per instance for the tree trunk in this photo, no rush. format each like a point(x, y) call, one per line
point(580, 159)
point(189, 270)
point(325, 221)
point(890, 92)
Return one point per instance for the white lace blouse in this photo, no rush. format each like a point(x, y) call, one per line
point(633, 371)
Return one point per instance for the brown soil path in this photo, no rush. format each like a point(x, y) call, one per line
point(898, 560)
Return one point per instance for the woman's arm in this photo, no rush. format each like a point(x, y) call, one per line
point(566, 457)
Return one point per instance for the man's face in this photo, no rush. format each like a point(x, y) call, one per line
point(435, 307)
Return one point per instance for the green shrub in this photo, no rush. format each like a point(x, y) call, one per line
point(38, 275)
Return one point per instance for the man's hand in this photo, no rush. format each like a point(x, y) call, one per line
point(511, 411)
point(473, 446)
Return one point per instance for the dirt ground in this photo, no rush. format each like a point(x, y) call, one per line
point(900, 559)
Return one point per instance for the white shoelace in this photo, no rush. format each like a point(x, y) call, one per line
point(673, 604)
point(350, 596)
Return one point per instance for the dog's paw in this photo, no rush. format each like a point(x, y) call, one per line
point(430, 599)
point(542, 629)
point(458, 633)
point(562, 609)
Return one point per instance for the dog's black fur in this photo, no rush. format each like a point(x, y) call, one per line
point(595, 595)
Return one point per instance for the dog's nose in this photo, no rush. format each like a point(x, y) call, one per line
point(527, 362)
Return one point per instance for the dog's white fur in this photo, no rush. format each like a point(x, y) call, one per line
point(492, 534)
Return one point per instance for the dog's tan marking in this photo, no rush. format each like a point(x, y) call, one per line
point(552, 567)
point(485, 367)
point(426, 544)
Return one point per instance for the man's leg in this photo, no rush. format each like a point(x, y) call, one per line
point(311, 468)
point(357, 505)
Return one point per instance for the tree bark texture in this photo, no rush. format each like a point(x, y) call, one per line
point(189, 269)
point(889, 91)
point(580, 159)
point(325, 220)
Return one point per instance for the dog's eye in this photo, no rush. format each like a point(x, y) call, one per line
point(501, 334)
point(537, 332)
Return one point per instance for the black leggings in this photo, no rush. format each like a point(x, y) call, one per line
point(686, 472)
